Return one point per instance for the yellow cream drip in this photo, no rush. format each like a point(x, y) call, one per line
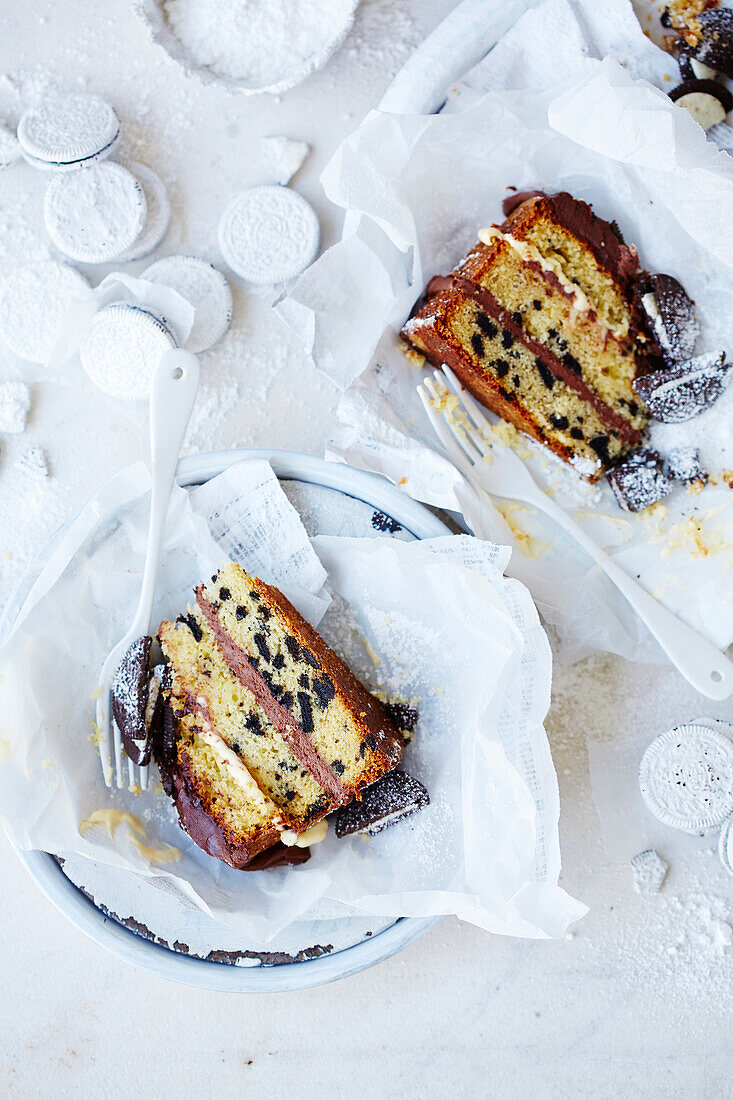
point(111, 819)
point(529, 546)
point(529, 253)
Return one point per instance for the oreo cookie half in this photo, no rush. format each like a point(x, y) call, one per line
point(714, 46)
point(683, 464)
point(707, 101)
point(137, 700)
point(690, 67)
point(688, 389)
point(672, 314)
point(639, 482)
point(391, 799)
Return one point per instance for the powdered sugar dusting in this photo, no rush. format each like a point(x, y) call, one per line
point(256, 41)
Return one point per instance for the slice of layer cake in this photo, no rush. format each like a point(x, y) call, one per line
point(542, 323)
point(271, 730)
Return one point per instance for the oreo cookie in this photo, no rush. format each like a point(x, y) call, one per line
point(130, 693)
point(690, 67)
point(714, 45)
point(671, 312)
point(683, 464)
point(403, 716)
point(639, 482)
point(391, 799)
point(688, 389)
point(707, 101)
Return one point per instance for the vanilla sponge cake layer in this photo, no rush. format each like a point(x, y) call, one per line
point(533, 222)
point(339, 717)
point(201, 673)
point(601, 359)
point(511, 381)
point(245, 822)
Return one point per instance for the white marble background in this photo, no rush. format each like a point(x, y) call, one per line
point(637, 1002)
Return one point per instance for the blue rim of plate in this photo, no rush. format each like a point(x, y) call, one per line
point(154, 957)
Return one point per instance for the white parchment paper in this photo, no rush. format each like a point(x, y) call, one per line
point(555, 117)
point(435, 622)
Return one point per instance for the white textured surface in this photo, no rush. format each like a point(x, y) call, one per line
point(638, 1003)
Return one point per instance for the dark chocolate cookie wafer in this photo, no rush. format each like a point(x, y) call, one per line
point(714, 45)
point(683, 464)
point(136, 700)
point(672, 314)
point(640, 481)
point(676, 395)
point(402, 715)
point(391, 799)
point(706, 100)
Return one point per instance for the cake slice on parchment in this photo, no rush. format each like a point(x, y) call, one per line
point(267, 729)
point(542, 323)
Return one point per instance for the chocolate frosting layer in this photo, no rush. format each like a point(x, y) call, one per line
point(279, 855)
point(490, 305)
point(290, 730)
point(603, 238)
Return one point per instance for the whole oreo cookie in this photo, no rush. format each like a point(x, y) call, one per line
point(640, 481)
point(714, 45)
point(707, 101)
point(688, 389)
point(671, 312)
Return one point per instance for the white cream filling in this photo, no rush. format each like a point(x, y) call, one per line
point(529, 253)
point(702, 71)
point(311, 836)
point(706, 109)
point(238, 770)
point(153, 693)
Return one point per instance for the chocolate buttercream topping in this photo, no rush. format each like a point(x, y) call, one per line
point(249, 677)
point(279, 855)
point(490, 305)
point(511, 202)
point(603, 238)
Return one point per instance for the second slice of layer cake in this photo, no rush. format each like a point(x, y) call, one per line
point(541, 323)
point(273, 731)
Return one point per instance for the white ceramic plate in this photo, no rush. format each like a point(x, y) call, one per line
point(333, 499)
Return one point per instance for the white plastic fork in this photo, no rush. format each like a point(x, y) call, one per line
point(499, 471)
point(172, 395)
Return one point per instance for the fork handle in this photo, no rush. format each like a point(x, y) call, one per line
point(699, 661)
point(172, 396)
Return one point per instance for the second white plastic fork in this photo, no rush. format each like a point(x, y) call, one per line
point(500, 472)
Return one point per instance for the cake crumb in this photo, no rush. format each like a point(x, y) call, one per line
point(650, 871)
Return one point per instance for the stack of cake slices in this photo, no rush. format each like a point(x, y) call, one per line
point(267, 730)
point(542, 323)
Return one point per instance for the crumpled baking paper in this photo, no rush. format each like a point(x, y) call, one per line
point(417, 188)
point(432, 621)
